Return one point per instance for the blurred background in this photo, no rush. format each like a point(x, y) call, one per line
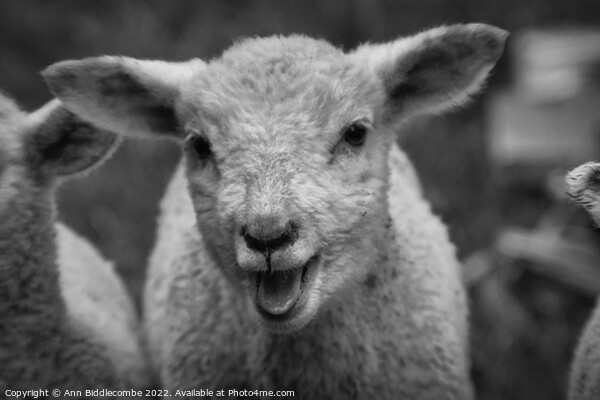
point(494, 171)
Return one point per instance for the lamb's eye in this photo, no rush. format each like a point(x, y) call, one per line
point(201, 147)
point(356, 134)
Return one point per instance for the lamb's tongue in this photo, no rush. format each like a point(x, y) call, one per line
point(278, 291)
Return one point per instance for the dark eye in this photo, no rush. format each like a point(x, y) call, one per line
point(201, 147)
point(355, 134)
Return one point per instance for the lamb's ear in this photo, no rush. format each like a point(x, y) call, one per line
point(58, 143)
point(433, 70)
point(583, 185)
point(124, 95)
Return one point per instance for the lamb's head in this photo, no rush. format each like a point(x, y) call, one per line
point(583, 185)
point(38, 147)
point(286, 142)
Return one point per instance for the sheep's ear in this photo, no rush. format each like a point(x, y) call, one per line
point(583, 185)
point(59, 143)
point(124, 95)
point(434, 70)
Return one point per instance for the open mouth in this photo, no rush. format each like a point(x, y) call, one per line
point(280, 295)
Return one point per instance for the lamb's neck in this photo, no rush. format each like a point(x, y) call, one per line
point(28, 270)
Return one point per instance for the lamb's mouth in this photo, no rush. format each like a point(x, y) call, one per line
point(280, 295)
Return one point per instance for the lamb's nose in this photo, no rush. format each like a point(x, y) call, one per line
point(269, 234)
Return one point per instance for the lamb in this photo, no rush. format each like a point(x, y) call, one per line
point(584, 381)
point(303, 256)
point(66, 321)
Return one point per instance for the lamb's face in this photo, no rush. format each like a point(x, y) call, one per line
point(288, 183)
point(286, 141)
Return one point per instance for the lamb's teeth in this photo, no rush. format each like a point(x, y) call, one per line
point(306, 266)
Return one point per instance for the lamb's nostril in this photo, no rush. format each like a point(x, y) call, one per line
point(266, 238)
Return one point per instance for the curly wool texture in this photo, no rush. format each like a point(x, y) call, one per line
point(584, 382)
point(66, 321)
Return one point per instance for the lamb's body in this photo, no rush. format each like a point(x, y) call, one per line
point(96, 298)
point(40, 343)
point(307, 259)
point(388, 337)
point(584, 383)
point(66, 321)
